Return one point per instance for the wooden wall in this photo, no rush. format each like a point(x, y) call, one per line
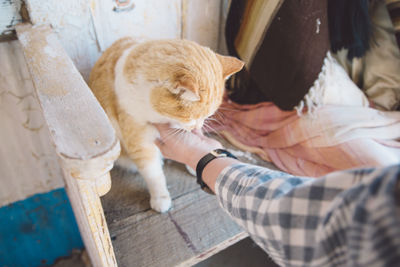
point(27, 160)
point(86, 28)
point(9, 17)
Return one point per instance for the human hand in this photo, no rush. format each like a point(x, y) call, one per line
point(182, 146)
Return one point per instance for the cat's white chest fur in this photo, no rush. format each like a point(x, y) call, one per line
point(134, 98)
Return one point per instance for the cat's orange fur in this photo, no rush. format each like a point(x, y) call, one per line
point(183, 81)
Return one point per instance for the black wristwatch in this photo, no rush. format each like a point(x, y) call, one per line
point(216, 153)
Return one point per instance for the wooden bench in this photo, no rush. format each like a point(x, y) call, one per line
point(119, 228)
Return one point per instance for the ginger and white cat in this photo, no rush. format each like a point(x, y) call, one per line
point(164, 81)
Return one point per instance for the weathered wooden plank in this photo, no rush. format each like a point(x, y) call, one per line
point(79, 126)
point(72, 23)
point(145, 19)
point(201, 21)
point(214, 250)
point(222, 48)
point(129, 195)
point(89, 215)
point(195, 228)
point(9, 17)
point(28, 162)
point(82, 135)
point(86, 28)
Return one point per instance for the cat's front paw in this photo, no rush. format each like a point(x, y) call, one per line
point(160, 204)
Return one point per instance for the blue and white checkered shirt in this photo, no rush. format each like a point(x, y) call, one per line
point(347, 218)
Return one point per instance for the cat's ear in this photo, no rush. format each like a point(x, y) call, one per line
point(187, 89)
point(230, 65)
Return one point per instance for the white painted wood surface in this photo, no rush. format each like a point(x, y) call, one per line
point(86, 28)
point(28, 162)
point(89, 215)
point(201, 21)
point(79, 126)
point(83, 137)
point(72, 23)
point(148, 19)
point(9, 15)
point(222, 47)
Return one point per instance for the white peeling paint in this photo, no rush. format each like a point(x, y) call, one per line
point(72, 23)
point(23, 39)
point(149, 19)
point(9, 15)
point(28, 162)
point(49, 51)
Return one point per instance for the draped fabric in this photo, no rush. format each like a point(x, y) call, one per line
point(283, 57)
point(284, 43)
point(337, 137)
point(336, 125)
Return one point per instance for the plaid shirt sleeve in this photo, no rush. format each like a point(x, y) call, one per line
point(349, 218)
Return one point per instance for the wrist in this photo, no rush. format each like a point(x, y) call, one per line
point(206, 162)
point(195, 157)
point(212, 170)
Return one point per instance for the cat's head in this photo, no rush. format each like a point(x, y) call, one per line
point(187, 80)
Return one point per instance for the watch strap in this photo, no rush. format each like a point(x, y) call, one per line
point(217, 153)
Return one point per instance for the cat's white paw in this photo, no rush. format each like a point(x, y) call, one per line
point(160, 204)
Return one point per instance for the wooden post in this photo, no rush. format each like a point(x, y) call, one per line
point(84, 196)
point(81, 132)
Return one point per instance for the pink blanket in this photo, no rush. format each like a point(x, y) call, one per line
point(334, 138)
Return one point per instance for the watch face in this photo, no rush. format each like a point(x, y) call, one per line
point(217, 153)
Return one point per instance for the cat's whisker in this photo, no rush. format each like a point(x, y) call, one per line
point(185, 138)
point(211, 129)
point(214, 120)
point(210, 126)
point(211, 120)
point(181, 137)
point(220, 115)
point(171, 134)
